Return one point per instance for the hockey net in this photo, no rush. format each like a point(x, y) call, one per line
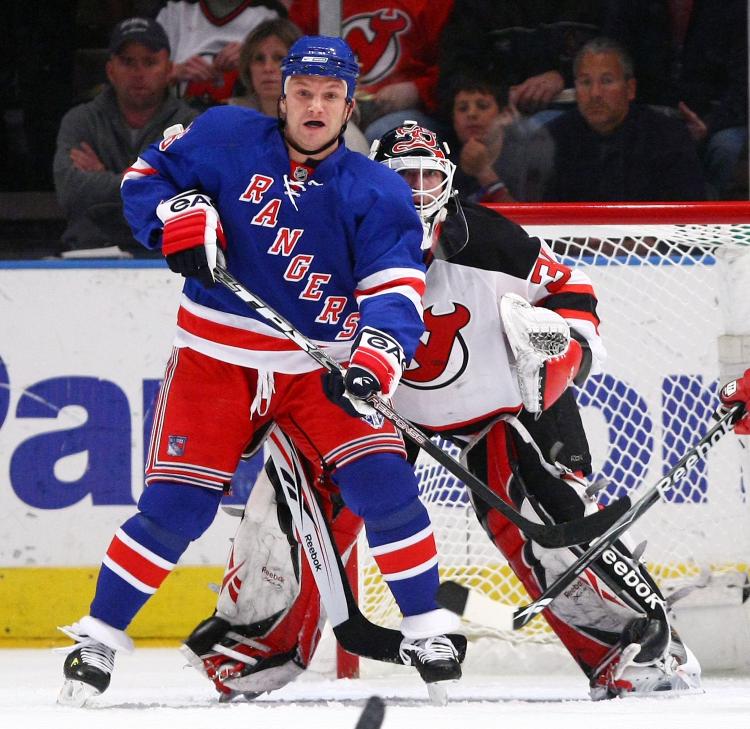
point(674, 301)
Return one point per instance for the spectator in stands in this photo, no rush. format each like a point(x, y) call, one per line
point(500, 156)
point(98, 140)
point(527, 47)
point(396, 44)
point(610, 148)
point(205, 38)
point(260, 73)
point(691, 57)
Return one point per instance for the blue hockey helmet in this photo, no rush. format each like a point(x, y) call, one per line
point(320, 55)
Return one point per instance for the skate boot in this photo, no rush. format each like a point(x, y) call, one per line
point(677, 670)
point(437, 661)
point(88, 665)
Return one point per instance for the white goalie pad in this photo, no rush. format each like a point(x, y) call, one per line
point(535, 335)
point(259, 579)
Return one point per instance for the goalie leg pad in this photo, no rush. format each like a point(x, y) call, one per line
point(264, 633)
point(590, 617)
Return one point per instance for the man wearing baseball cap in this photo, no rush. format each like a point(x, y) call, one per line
point(99, 139)
point(141, 30)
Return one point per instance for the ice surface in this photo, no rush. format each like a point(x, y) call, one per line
point(152, 688)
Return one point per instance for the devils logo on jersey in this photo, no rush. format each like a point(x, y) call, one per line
point(374, 38)
point(443, 357)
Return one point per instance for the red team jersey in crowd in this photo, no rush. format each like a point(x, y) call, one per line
point(394, 41)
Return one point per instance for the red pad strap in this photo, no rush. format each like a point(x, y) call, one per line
point(559, 372)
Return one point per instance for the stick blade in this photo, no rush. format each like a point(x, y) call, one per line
point(475, 606)
point(372, 715)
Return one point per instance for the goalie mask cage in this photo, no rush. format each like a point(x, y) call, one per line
point(673, 284)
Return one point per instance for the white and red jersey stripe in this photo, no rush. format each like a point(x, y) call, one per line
point(138, 566)
point(246, 342)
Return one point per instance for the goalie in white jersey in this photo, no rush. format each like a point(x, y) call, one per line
point(495, 300)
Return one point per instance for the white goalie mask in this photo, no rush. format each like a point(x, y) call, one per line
point(419, 156)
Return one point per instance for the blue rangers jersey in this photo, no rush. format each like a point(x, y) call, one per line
point(329, 251)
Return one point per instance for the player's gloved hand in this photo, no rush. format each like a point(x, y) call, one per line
point(737, 391)
point(375, 366)
point(193, 238)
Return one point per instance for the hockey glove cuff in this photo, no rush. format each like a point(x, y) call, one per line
point(737, 391)
point(193, 238)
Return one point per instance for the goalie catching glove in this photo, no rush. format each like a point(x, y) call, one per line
point(193, 238)
point(547, 360)
point(737, 391)
point(375, 366)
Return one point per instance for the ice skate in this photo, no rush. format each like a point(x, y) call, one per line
point(89, 663)
point(437, 661)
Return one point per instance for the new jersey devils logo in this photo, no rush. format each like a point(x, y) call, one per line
point(411, 138)
point(374, 38)
point(443, 358)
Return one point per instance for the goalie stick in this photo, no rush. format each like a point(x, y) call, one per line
point(354, 632)
point(479, 608)
point(550, 536)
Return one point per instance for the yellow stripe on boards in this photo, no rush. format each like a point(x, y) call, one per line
point(35, 600)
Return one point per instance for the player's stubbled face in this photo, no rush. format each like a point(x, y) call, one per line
point(315, 109)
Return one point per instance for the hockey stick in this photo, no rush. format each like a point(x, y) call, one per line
point(480, 608)
point(547, 535)
point(354, 632)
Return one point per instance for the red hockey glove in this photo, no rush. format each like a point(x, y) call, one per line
point(191, 232)
point(375, 366)
point(737, 391)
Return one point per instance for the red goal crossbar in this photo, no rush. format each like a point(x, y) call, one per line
point(673, 213)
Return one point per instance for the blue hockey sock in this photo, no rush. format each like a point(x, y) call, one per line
point(147, 546)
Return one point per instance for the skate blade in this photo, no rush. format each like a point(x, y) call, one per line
point(76, 693)
point(438, 692)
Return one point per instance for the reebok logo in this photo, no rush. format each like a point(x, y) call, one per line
point(313, 553)
point(632, 579)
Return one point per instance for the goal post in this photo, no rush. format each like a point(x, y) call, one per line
point(673, 286)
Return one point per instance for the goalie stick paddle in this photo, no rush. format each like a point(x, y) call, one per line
point(479, 608)
point(547, 535)
point(372, 715)
point(354, 632)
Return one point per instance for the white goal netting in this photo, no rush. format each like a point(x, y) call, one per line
point(673, 283)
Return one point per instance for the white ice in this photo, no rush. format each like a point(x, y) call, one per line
point(153, 688)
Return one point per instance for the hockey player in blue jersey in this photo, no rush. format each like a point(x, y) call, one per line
point(329, 239)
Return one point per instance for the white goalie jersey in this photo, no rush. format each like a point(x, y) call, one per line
point(463, 356)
